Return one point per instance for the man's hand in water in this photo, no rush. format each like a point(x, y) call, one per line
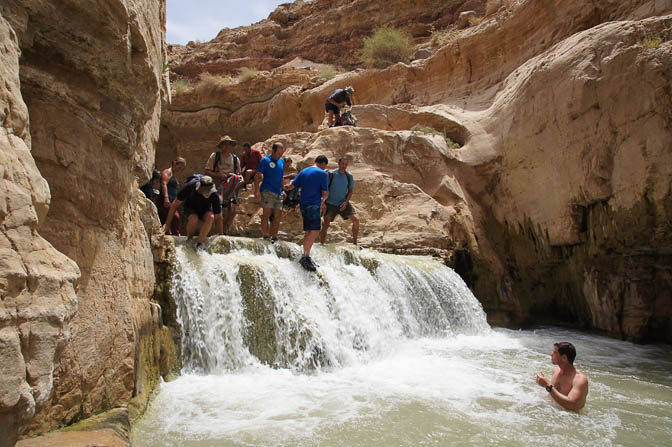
point(542, 380)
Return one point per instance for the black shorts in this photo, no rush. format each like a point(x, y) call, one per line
point(333, 211)
point(329, 106)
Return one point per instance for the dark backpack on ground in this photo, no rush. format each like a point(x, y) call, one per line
point(292, 198)
point(346, 119)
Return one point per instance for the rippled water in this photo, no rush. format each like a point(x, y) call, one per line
point(462, 390)
point(379, 350)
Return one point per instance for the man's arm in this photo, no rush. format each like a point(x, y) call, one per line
point(165, 178)
point(257, 179)
point(575, 399)
point(347, 199)
point(210, 164)
point(171, 212)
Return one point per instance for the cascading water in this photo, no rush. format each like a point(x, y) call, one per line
point(245, 301)
point(378, 350)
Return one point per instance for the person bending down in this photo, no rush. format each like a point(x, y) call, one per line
point(200, 203)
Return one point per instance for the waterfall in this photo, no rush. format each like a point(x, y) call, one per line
point(242, 302)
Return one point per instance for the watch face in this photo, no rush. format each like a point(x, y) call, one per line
point(272, 165)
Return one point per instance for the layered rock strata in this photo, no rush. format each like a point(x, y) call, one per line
point(37, 283)
point(562, 180)
point(91, 76)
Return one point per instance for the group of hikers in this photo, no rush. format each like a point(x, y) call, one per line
point(212, 197)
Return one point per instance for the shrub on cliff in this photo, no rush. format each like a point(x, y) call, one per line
point(387, 46)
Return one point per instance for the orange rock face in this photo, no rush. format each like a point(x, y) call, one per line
point(559, 187)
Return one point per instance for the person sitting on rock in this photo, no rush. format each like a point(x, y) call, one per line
point(341, 187)
point(336, 101)
point(201, 202)
point(168, 192)
point(249, 162)
point(224, 167)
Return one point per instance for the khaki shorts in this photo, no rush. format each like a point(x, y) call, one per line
point(271, 200)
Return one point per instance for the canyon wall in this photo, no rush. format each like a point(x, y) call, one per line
point(91, 76)
point(556, 205)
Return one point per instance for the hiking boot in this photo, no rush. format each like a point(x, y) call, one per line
point(307, 263)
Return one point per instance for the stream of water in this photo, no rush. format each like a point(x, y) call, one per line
point(391, 351)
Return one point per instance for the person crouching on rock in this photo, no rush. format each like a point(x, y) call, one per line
point(200, 203)
point(336, 101)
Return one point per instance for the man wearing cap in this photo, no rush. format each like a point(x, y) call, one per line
point(223, 166)
point(336, 101)
point(271, 168)
point(341, 186)
point(200, 203)
point(314, 184)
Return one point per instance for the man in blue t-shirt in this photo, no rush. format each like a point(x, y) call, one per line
point(272, 169)
point(341, 186)
point(314, 184)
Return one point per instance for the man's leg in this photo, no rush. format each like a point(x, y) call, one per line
point(325, 226)
point(231, 213)
point(208, 218)
point(355, 227)
point(308, 240)
point(330, 121)
point(192, 223)
point(275, 225)
point(249, 176)
point(264, 221)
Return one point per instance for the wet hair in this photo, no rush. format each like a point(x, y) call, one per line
point(276, 145)
point(321, 159)
point(155, 175)
point(180, 161)
point(568, 349)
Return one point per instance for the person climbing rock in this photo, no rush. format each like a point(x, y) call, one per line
point(314, 184)
point(201, 202)
point(341, 187)
point(336, 101)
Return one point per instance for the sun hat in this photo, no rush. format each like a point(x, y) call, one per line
point(226, 139)
point(206, 185)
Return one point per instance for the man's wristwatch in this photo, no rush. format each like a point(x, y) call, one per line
point(549, 388)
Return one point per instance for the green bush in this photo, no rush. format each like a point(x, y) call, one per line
point(430, 130)
point(181, 86)
point(387, 46)
point(327, 72)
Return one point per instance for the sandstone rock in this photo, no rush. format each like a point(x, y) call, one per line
point(522, 95)
point(465, 19)
point(92, 80)
point(37, 283)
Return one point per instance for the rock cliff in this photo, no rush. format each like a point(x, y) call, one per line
point(543, 174)
point(78, 327)
point(556, 205)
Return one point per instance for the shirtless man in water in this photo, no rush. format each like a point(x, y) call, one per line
point(568, 386)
